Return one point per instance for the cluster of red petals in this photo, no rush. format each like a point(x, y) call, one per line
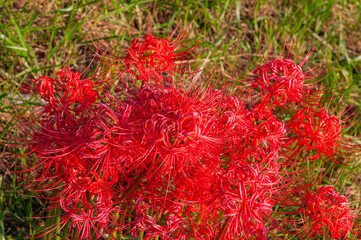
point(66, 89)
point(160, 155)
point(177, 127)
point(244, 194)
point(326, 210)
point(157, 59)
point(280, 81)
point(315, 131)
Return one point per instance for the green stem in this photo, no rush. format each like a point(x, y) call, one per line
point(115, 233)
point(2, 229)
point(141, 235)
point(53, 217)
point(223, 229)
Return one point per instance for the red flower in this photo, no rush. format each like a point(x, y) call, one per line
point(158, 59)
point(326, 211)
point(280, 81)
point(244, 192)
point(68, 92)
point(170, 129)
point(317, 132)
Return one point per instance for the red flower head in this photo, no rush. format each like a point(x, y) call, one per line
point(156, 58)
point(326, 210)
point(279, 81)
point(68, 91)
point(317, 132)
point(169, 128)
point(244, 192)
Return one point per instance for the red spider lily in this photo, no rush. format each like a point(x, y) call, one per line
point(69, 163)
point(317, 132)
point(65, 134)
point(280, 80)
point(88, 220)
point(153, 58)
point(170, 129)
point(245, 196)
point(173, 139)
point(326, 212)
point(67, 89)
point(178, 221)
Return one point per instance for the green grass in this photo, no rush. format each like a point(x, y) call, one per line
point(38, 37)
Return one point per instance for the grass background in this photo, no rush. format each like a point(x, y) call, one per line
point(38, 37)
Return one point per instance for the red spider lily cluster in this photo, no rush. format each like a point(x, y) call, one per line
point(327, 213)
point(165, 154)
